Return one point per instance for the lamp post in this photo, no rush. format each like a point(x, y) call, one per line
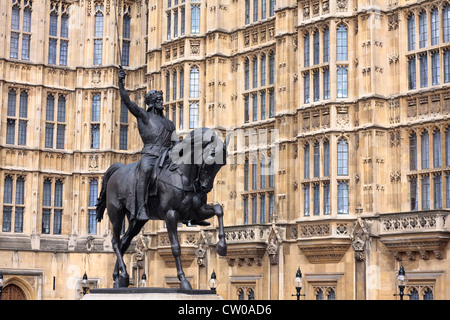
point(84, 284)
point(144, 280)
point(213, 282)
point(401, 282)
point(1, 285)
point(298, 283)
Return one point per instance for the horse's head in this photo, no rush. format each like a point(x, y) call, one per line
point(214, 158)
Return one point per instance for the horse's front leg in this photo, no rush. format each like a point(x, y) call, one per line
point(172, 223)
point(207, 211)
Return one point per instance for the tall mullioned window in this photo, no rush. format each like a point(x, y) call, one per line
point(98, 35)
point(20, 37)
point(52, 207)
point(58, 17)
point(17, 122)
point(195, 19)
point(13, 203)
point(55, 118)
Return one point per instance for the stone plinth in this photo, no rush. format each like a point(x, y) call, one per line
point(151, 294)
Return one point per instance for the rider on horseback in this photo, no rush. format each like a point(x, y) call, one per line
point(157, 135)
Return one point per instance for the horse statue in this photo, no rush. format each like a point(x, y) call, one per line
point(177, 192)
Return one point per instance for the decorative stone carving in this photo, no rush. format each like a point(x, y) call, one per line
point(359, 237)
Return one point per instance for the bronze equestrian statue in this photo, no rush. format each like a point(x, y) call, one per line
point(169, 183)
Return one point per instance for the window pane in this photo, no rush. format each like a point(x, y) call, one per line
point(425, 193)
point(413, 193)
point(11, 103)
point(64, 26)
point(437, 192)
point(46, 221)
point(25, 46)
point(193, 115)
point(60, 136)
point(15, 18)
point(342, 158)
point(95, 136)
point(306, 200)
point(50, 111)
point(14, 46)
point(61, 109)
point(425, 149)
point(58, 194)
point(195, 19)
point(63, 51)
point(423, 71)
point(52, 51)
point(342, 82)
point(8, 189)
point(411, 33)
point(341, 43)
point(98, 29)
point(194, 83)
point(423, 29)
point(27, 20)
point(95, 113)
point(98, 51)
point(7, 212)
point(47, 194)
point(18, 220)
point(23, 105)
point(342, 197)
point(20, 191)
point(49, 135)
point(22, 139)
point(53, 25)
point(306, 50)
point(437, 152)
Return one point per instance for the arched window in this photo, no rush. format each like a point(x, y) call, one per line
point(98, 38)
point(423, 29)
point(434, 26)
point(272, 68)
point(263, 70)
point(411, 32)
point(194, 82)
point(306, 161)
point(341, 38)
point(424, 140)
point(255, 73)
point(446, 23)
point(306, 50)
point(343, 197)
point(342, 158)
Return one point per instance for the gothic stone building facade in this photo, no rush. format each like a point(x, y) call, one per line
point(340, 161)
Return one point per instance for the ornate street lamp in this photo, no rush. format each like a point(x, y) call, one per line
point(401, 282)
point(84, 284)
point(298, 283)
point(144, 280)
point(213, 282)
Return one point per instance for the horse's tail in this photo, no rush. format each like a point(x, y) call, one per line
point(101, 201)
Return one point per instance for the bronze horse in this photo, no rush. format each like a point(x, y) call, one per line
point(177, 193)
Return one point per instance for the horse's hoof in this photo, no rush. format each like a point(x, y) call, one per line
point(185, 285)
point(221, 249)
point(122, 282)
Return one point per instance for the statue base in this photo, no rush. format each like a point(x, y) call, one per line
point(151, 294)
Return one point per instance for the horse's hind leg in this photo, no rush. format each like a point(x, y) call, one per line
point(172, 223)
point(120, 279)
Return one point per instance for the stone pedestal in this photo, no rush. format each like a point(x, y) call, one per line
point(150, 294)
